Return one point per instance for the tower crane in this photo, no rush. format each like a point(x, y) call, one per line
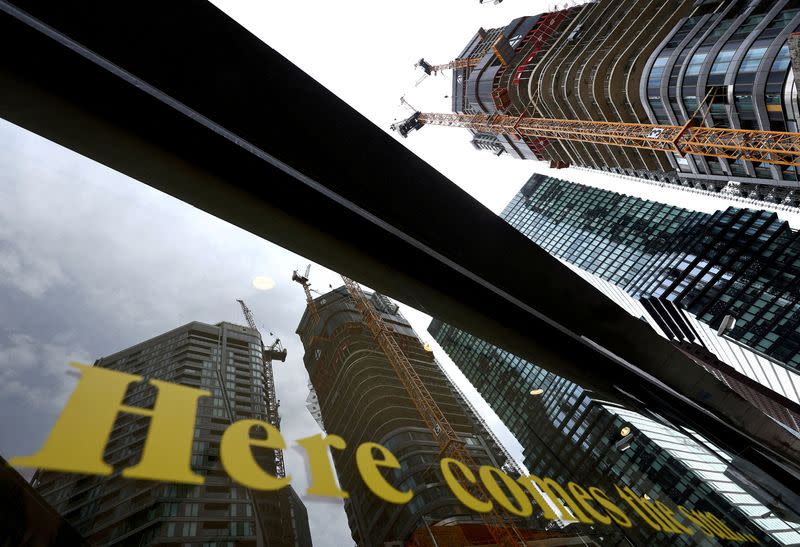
point(775, 147)
point(499, 524)
point(303, 281)
point(274, 351)
point(469, 62)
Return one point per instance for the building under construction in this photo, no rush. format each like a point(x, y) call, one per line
point(228, 360)
point(362, 398)
point(723, 64)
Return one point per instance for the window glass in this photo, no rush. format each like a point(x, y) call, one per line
point(602, 364)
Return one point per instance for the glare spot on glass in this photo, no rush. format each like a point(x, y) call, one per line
point(263, 283)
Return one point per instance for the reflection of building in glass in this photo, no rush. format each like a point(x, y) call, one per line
point(362, 399)
point(722, 474)
point(642, 61)
point(227, 360)
point(686, 272)
point(568, 435)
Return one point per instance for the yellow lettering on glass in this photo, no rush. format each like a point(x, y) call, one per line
point(368, 467)
point(237, 455)
point(559, 497)
point(323, 480)
point(648, 513)
point(669, 515)
point(583, 498)
point(461, 493)
point(616, 514)
point(78, 439)
point(523, 507)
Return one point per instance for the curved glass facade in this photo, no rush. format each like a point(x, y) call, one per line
point(734, 55)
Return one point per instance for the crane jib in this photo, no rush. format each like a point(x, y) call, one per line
point(774, 147)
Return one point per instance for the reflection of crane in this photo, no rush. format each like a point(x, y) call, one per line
point(500, 525)
point(275, 351)
point(303, 280)
point(776, 147)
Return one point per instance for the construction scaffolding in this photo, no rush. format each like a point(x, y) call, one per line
point(536, 40)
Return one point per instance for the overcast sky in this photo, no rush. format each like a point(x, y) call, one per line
point(92, 262)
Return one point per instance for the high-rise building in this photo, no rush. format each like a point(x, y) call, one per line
point(227, 360)
point(569, 434)
point(642, 61)
point(361, 398)
point(725, 281)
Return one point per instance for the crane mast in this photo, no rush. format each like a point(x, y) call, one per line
point(774, 147)
point(303, 281)
point(275, 351)
point(499, 524)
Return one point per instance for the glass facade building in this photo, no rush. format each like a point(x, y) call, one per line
point(680, 266)
point(569, 434)
point(739, 51)
point(227, 360)
point(734, 262)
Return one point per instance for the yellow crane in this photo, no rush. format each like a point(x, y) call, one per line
point(274, 351)
point(775, 147)
point(303, 281)
point(499, 524)
point(469, 62)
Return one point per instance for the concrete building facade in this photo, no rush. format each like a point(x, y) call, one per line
point(361, 398)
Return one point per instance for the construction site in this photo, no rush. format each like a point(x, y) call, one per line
point(586, 86)
point(359, 350)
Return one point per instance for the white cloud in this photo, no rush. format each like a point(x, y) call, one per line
point(28, 271)
point(36, 372)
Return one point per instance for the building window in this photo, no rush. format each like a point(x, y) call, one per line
point(753, 59)
point(695, 63)
point(722, 61)
point(782, 60)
